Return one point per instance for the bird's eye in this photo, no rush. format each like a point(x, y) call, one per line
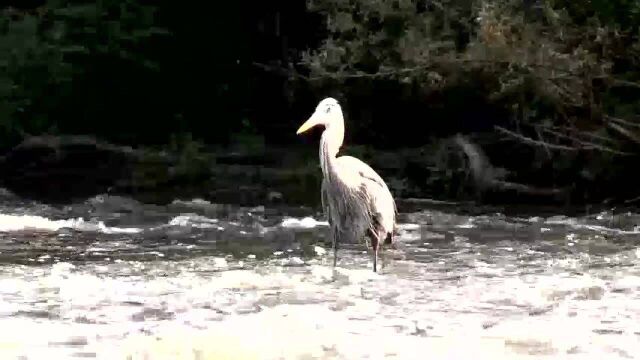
point(328, 109)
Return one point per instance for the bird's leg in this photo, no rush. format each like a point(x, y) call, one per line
point(335, 248)
point(334, 237)
point(383, 256)
point(374, 246)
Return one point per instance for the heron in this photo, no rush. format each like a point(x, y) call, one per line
point(355, 199)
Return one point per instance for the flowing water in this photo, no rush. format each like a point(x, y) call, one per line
point(111, 278)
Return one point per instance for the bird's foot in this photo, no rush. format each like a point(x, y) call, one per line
point(383, 260)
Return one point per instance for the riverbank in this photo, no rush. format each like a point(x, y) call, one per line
point(451, 174)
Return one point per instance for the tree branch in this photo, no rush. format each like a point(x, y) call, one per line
point(433, 64)
point(533, 142)
point(621, 121)
point(624, 132)
point(625, 83)
point(585, 144)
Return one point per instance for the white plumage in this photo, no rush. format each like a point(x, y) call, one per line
point(355, 199)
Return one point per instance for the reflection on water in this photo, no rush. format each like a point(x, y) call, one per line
point(115, 279)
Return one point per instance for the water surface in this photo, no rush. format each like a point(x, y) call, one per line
point(111, 278)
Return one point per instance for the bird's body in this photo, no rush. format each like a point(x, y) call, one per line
point(367, 203)
point(355, 199)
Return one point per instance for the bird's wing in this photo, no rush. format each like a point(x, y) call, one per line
point(359, 170)
point(356, 166)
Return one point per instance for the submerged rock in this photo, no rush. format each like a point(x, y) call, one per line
point(64, 168)
point(71, 169)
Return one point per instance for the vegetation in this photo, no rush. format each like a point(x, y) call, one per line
point(559, 76)
point(564, 72)
point(555, 84)
point(129, 71)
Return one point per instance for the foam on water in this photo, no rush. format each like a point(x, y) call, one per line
point(184, 311)
point(304, 223)
point(196, 221)
point(13, 223)
point(456, 287)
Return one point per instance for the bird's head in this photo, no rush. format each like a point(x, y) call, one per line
point(327, 112)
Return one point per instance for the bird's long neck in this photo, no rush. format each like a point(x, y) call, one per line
point(330, 144)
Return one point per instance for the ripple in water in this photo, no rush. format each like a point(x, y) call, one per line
point(197, 280)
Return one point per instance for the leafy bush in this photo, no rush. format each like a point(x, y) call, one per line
point(553, 66)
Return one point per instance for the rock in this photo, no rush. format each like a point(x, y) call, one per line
point(273, 196)
point(62, 169)
point(71, 169)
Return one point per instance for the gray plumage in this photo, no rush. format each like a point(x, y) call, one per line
point(355, 199)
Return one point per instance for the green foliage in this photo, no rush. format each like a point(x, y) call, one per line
point(126, 70)
point(560, 79)
point(552, 65)
point(25, 61)
point(624, 14)
point(54, 62)
point(194, 163)
point(378, 36)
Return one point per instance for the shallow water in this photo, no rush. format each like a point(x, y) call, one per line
point(115, 279)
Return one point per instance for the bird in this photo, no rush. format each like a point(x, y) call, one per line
point(355, 199)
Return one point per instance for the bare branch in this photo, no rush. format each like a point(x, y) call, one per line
point(485, 175)
point(625, 83)
point(526, 189)
point(380, 74)
point(635, 199)
point(626, 133)
point(585, 145)
point(531, 141)
point(590, 135)
point(288, 72)
point(621, 121)
point(546, 148)
point(436, 63)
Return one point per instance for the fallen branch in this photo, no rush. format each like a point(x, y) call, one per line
point(625, 83)
point(635, 199)
point(525, 189)
point(481, 169)
point(624, 132)
point(530, 141)
point(546, 148)
point(485, 174)
point(621, 121)
point(426, 201)
point(585, 145)
point(587, 134)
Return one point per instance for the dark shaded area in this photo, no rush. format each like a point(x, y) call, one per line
point(64, 169)
point(165, 78)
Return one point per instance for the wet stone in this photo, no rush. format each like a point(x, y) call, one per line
point(536, 311)
point(591, 293)
point(72, 341)
point(248, 309)
point(302, 298)
point(574, 350)
point(341, 305)
point(152, 314)
point(531, 347)
point(270, 300)
point(85, 355)
point(489, 324)
point(608, 332)
point(84, 320)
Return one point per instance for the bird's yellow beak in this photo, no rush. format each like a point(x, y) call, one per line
point(313, 121)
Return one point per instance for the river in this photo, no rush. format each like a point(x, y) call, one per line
point(111, 278)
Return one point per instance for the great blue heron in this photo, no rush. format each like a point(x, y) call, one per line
point(355, 199)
